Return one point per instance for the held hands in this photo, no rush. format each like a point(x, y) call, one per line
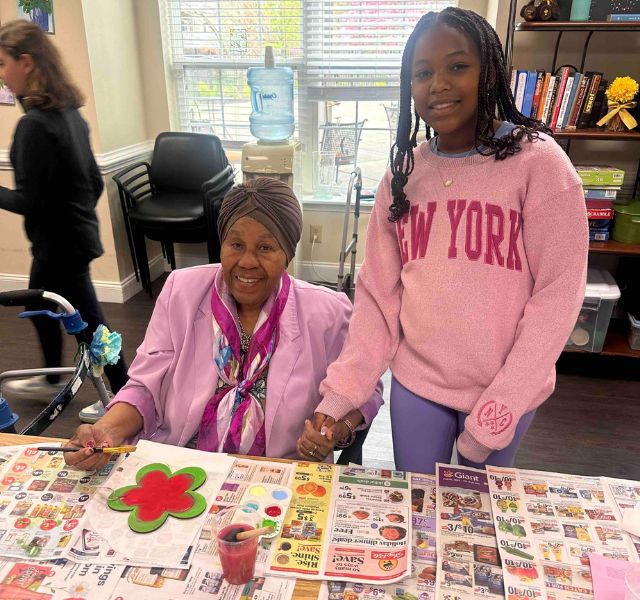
point(319, 437)
point(89, 437)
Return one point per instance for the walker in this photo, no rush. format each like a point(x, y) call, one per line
point(347, 283)
point(73, 324)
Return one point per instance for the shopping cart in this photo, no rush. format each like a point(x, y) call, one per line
point(74, 325)
point(347, 282)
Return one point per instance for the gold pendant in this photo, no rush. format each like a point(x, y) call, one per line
point(448, 182)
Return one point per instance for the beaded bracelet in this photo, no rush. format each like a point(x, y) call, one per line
point(345, 443)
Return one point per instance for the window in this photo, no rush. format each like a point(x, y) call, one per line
point(345, 55)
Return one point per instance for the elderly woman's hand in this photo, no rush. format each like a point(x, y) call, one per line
point(313, 445)
point(89, 437)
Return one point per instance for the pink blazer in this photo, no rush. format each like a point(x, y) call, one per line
point(173, 377)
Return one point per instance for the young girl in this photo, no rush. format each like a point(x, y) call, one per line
point(57, 187)
point(475, 260)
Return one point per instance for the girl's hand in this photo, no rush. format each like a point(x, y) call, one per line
point(89, 437)
point(339, 430)
point(312, 445)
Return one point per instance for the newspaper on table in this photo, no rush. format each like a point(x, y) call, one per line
point(468, 560)
point(422, 582)
point(43, 503)
point(106, 536)
point(200, 581)
point(624, 495)
point(203, 578)
point(57, 580)
point(346, 523)
point(547, 525)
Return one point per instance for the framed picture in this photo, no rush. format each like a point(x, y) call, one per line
point(37, 14)
point(6, 95)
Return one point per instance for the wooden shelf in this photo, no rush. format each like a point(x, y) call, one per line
point(578, 26)
point(613, 247)
point(615, 344)
point(598, 134)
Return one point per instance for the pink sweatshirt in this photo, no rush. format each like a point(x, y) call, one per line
point(471, 297)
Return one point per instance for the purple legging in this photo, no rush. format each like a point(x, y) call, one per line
point(424, 433)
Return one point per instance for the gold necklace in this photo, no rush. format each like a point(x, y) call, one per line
point(448, 181)
point(245, 339)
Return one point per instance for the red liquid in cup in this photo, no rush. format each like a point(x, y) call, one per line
point(238, 559)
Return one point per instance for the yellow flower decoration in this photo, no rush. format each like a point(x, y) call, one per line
point(622, 90)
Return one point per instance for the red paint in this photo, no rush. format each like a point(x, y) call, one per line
point(273, 511)
point(157, 494)
point(238, 559)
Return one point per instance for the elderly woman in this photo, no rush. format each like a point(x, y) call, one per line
point(234, 353)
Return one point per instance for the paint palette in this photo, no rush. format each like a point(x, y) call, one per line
point(270, 502)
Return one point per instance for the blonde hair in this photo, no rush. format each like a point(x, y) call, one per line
point(48, 86)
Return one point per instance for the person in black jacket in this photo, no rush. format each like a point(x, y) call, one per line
point(57, 187)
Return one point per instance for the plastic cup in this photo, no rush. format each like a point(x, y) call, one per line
point(238, 558)
point(632, 581)
point(324, 164)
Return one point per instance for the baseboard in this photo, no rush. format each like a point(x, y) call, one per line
point(106, 291)
point(108, 162)
point(319, 271)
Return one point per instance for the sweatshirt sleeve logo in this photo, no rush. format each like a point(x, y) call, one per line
point(494, 417)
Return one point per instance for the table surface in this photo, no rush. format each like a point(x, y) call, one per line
point(305, 590)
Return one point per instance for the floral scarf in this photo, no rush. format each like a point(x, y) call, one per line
point(233, 419)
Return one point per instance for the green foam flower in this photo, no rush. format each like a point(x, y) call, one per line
point(159, 493)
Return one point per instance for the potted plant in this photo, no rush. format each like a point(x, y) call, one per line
point(38, 10)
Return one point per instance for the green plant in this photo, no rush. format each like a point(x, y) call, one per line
point(29, 6)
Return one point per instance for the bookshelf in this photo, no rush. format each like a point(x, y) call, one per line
point(616, 343)
point(613, 247)
point(577, 26)
point(598, 134)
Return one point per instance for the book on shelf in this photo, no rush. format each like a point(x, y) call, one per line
point(543, 95)
point(599, 214)
point(565, 103)
point(537, 92)
point(579, 102)
point(585, 115)
point(529, 90)
point(605, 193)
point(572, 98)
point(520, 85)
point(552, 90)
point(625, 17)
point(559, 97)
point(599, 104)
point(600, 175)
point(598, 204)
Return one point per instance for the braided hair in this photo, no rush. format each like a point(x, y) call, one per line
point(494, 98)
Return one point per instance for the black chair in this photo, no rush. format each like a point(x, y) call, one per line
point(166, 200)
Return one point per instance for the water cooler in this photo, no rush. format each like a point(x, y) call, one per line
point(272, 122)
point(273, 159)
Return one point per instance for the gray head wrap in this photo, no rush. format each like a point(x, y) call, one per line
point(270, 202)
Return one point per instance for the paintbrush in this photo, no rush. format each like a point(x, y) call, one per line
point(237, 534)
point(114, 450)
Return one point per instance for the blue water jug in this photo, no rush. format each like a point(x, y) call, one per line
point(271, 118)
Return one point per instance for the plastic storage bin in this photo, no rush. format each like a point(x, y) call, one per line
point(634, 332)
point(600, 297)
point(626, 227)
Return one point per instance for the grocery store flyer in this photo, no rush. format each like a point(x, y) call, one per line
point(468, 559)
